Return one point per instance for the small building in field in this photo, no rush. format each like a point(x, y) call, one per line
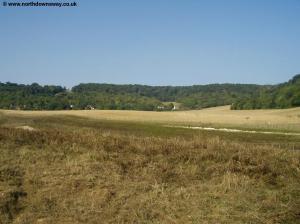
point(90, 107)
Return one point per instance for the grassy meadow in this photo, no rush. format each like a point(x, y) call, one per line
point(272, 119)
point(129, 167)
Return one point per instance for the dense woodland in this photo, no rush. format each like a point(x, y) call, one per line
point(284, 95)
point(142, 97)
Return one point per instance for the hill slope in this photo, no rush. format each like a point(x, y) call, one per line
point(149, 98)
point(121, 97)
point(190, 97)
point(284, 95)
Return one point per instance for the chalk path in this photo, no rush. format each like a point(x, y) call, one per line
point(233, 130)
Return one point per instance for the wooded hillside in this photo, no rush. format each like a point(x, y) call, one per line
point(284, 95)
point(142, 97)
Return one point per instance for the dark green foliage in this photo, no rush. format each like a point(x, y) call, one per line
point(218, 95)
point(36, 97)
point(119, 97)
point(142, 97)
point(284, 95)
point(190, 97)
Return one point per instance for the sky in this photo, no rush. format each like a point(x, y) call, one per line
point(153, 42)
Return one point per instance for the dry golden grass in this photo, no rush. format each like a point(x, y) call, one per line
point(284, 119)
point(81, 174)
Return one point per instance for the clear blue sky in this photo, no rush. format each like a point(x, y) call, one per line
point(155, 42)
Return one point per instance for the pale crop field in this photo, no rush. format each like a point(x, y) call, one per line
point(283, 119)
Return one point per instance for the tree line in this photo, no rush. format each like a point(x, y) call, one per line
point(284, 95)
point(149, 98)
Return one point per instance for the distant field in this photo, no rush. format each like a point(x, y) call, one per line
point(277, 119)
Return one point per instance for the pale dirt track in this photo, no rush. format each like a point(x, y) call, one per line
point(288, 119)
point(236, 130)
